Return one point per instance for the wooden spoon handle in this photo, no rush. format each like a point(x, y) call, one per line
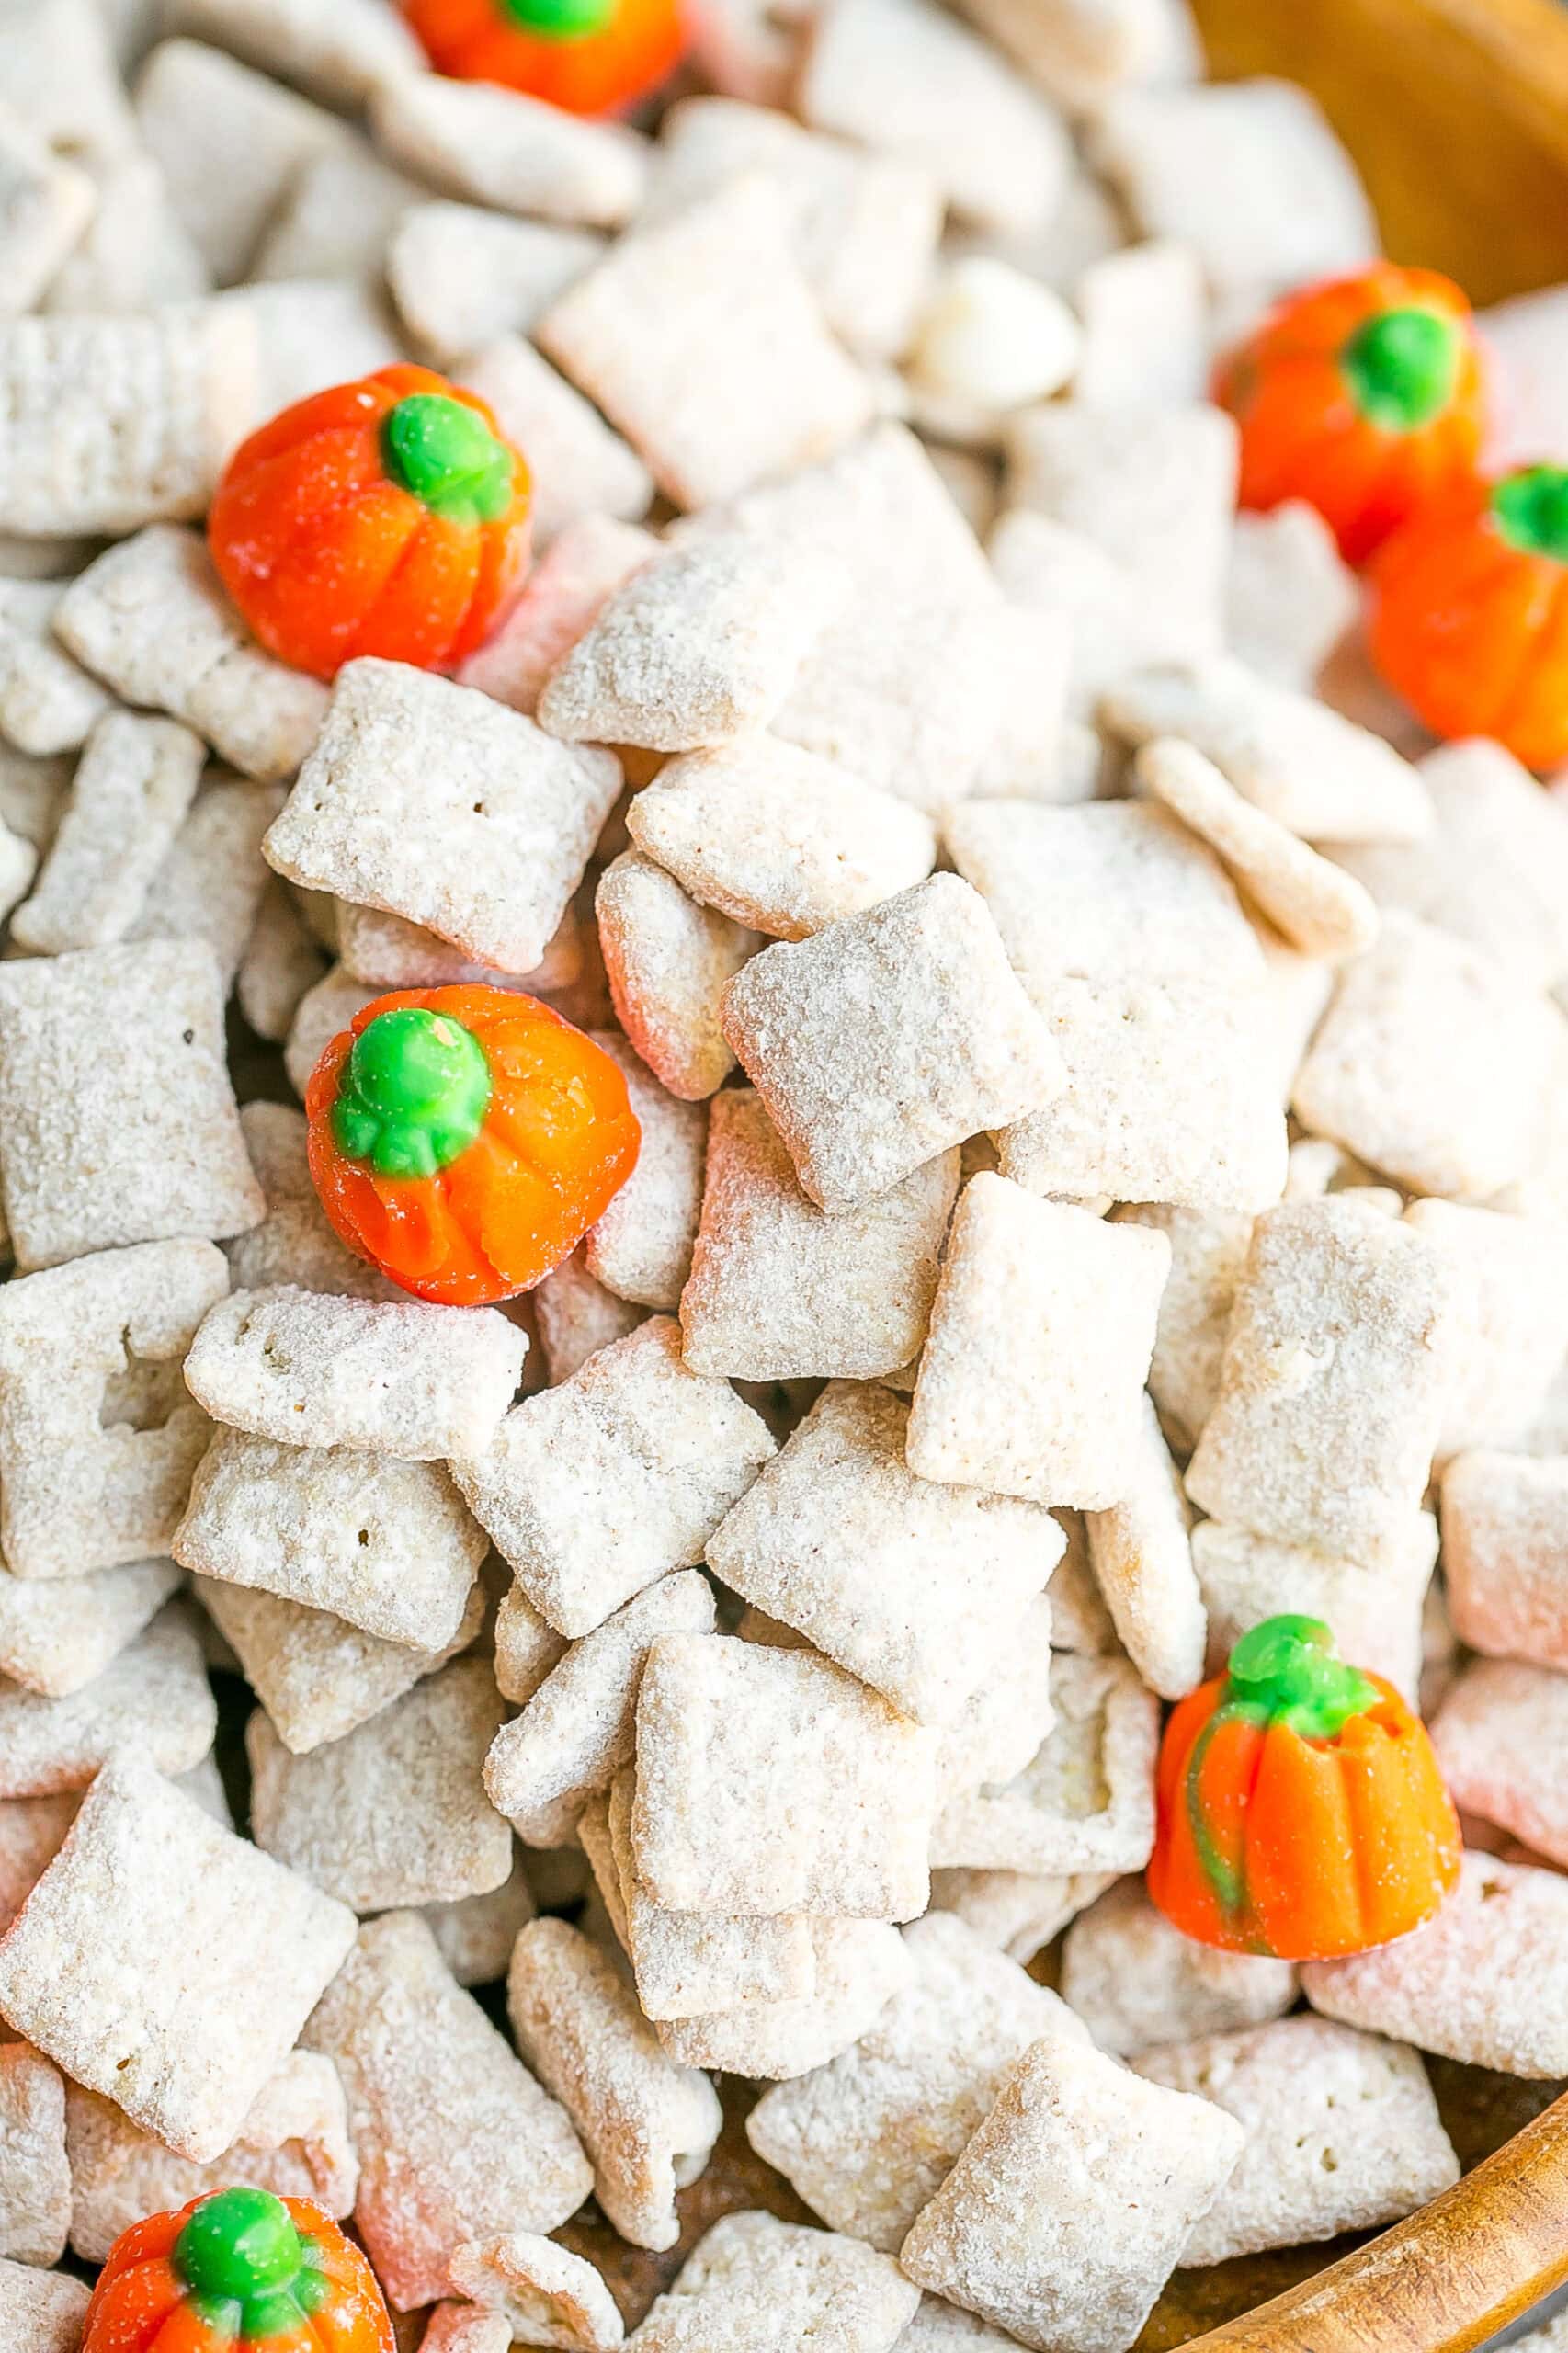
point(1444, 2280)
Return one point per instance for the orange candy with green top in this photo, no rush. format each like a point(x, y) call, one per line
point(1363, 396)
point(588, 56)
point(387, 517)
point(1469, 614)
point(237, 2272)
point(1301, 1812)
point(464, 1140)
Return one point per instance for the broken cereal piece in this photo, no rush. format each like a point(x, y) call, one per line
point(542, 2293)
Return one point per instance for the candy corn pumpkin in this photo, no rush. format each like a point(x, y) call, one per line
point(588, 56)
point(385, 516)
point(237, 2272)
point(1363, 396)
point(464, 1140)
point(1301, 1812)
point(1469, 613)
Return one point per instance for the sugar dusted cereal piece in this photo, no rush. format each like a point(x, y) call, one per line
point(1079, 1619)
point(1375, 1612)
point(1494, 869)
point(476, 1933)
point(1335, 1381)
point(640, 1248)
point(585, 563)
point(210, 884)
point(61, 1633)
point(32, 1831)
point(153, 1697)
point(454, 2136)
point(150, 619)
point(699, 646)
point(1341, 2133)
point(47, 703)
point(35, 2179)
point(1142, 1555)
point(294, 2141)
point(293, 1243)
point(648, 2125)
point(281, 960)
point(47, 204)
point(396, 1812)
point(579, 466)
point(941, 2327)
point(887, 1038)
point(340, 59)
point(1136, 1982)
point(669, 961)
point(462, 276)
point(44, 2310)
point(1018, 1912)
point(780, 1290)
point(899, 77)
point(18, 864)
point(910, 1586)
point(1006, 1720)
point(386, 951)
point(432, 802)
point(1248, 173)
point(98, 1442)
point(1505, 1554)
point(769, 1781)
point(1031, 1381)
point(772, 2286)
point(1314, 772)
point(1289, 597)
point(146, 2014)
point(544, 2294)
point(1517, 1319)
point(577, 1726)
point(701, 341)
point(385, 1544)
point(859, 1965)
point(1314, 904)
point(1086, 1803)
point(61, 75)
point(135, 782)
point(990, 338)
point(594, 1489)
point(1130, 2168)
point(463, 2328)
point(317, 1676)
point(1146, 328)
point(779, 839)
point(576, 1317)
point(136, 254)
point(868, 2139)
point(496, 147)
point(1209, 1252)
point(1477, 1984)
point(304, 1368)
point(1499, 1733)
point(117, 422)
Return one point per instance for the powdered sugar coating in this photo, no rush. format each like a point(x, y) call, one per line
point(1136, 1982)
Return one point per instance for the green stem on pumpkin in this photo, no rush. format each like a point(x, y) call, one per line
point(443, 452)
point(250, 2272)
point(560, 20)
point(1530, 509)
point(1285, 1670)
point(413, 1093)
point(1402, 367)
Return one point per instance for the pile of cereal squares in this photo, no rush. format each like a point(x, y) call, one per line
point(1102, 1075)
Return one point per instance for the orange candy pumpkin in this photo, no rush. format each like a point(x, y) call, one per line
point(1469, 613)
point(237, 2271)
point(588, 56)
point(386, 517)
point(1363, 396)
point(464, 1140)
point(1300, 1811)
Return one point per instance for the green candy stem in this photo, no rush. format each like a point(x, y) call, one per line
point(1402, 367)
point(413, 1094)
point(250, 2272)
point(559, 19)
point(1530, 509)
point(1285, 1670)
point(443, 452)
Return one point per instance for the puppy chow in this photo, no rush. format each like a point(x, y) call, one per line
point(1375, 1611)
point(153, 1696)
point(858, 1964)
point(494, 147)
point(1130, 2169)
point(1085, 1801)
point(280, 961)
point(462, 276)
point(1146, 328)
point(1516, 1318)
point(769, 1781)
point(577, 1316)
point(475, 1933)
point(701, 341)
point(294, 1243)
point(1018, 1912)
point(640, 1248)
point(1289, 597)
point(1497, 1732)
point(585, 563)
point(1209, 1252)
point(35, 2179)
point(210, 887)
point(868, 2139)
point(647, 2124)
point(431, 802)
point(1140, 1552)
point(1137, 1983)
point(60, 1634)
point(772, 2286)
point(339, 59)
point(455, 2138)
point(47, 703)
point(578, 465)
point(543, 2294)
point(147, 2015)
point(386, 1544)
point(293, 2141)
point(594, 1489)
point(1006, 1720)
point(577, 1726)
point(1505, 1554)
point(44, 2310)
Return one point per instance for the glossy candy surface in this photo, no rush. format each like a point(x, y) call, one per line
point(1301, 1812)
point(386, 517)
point(1363, 396)
point(588, 56)
point(464, 1140)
